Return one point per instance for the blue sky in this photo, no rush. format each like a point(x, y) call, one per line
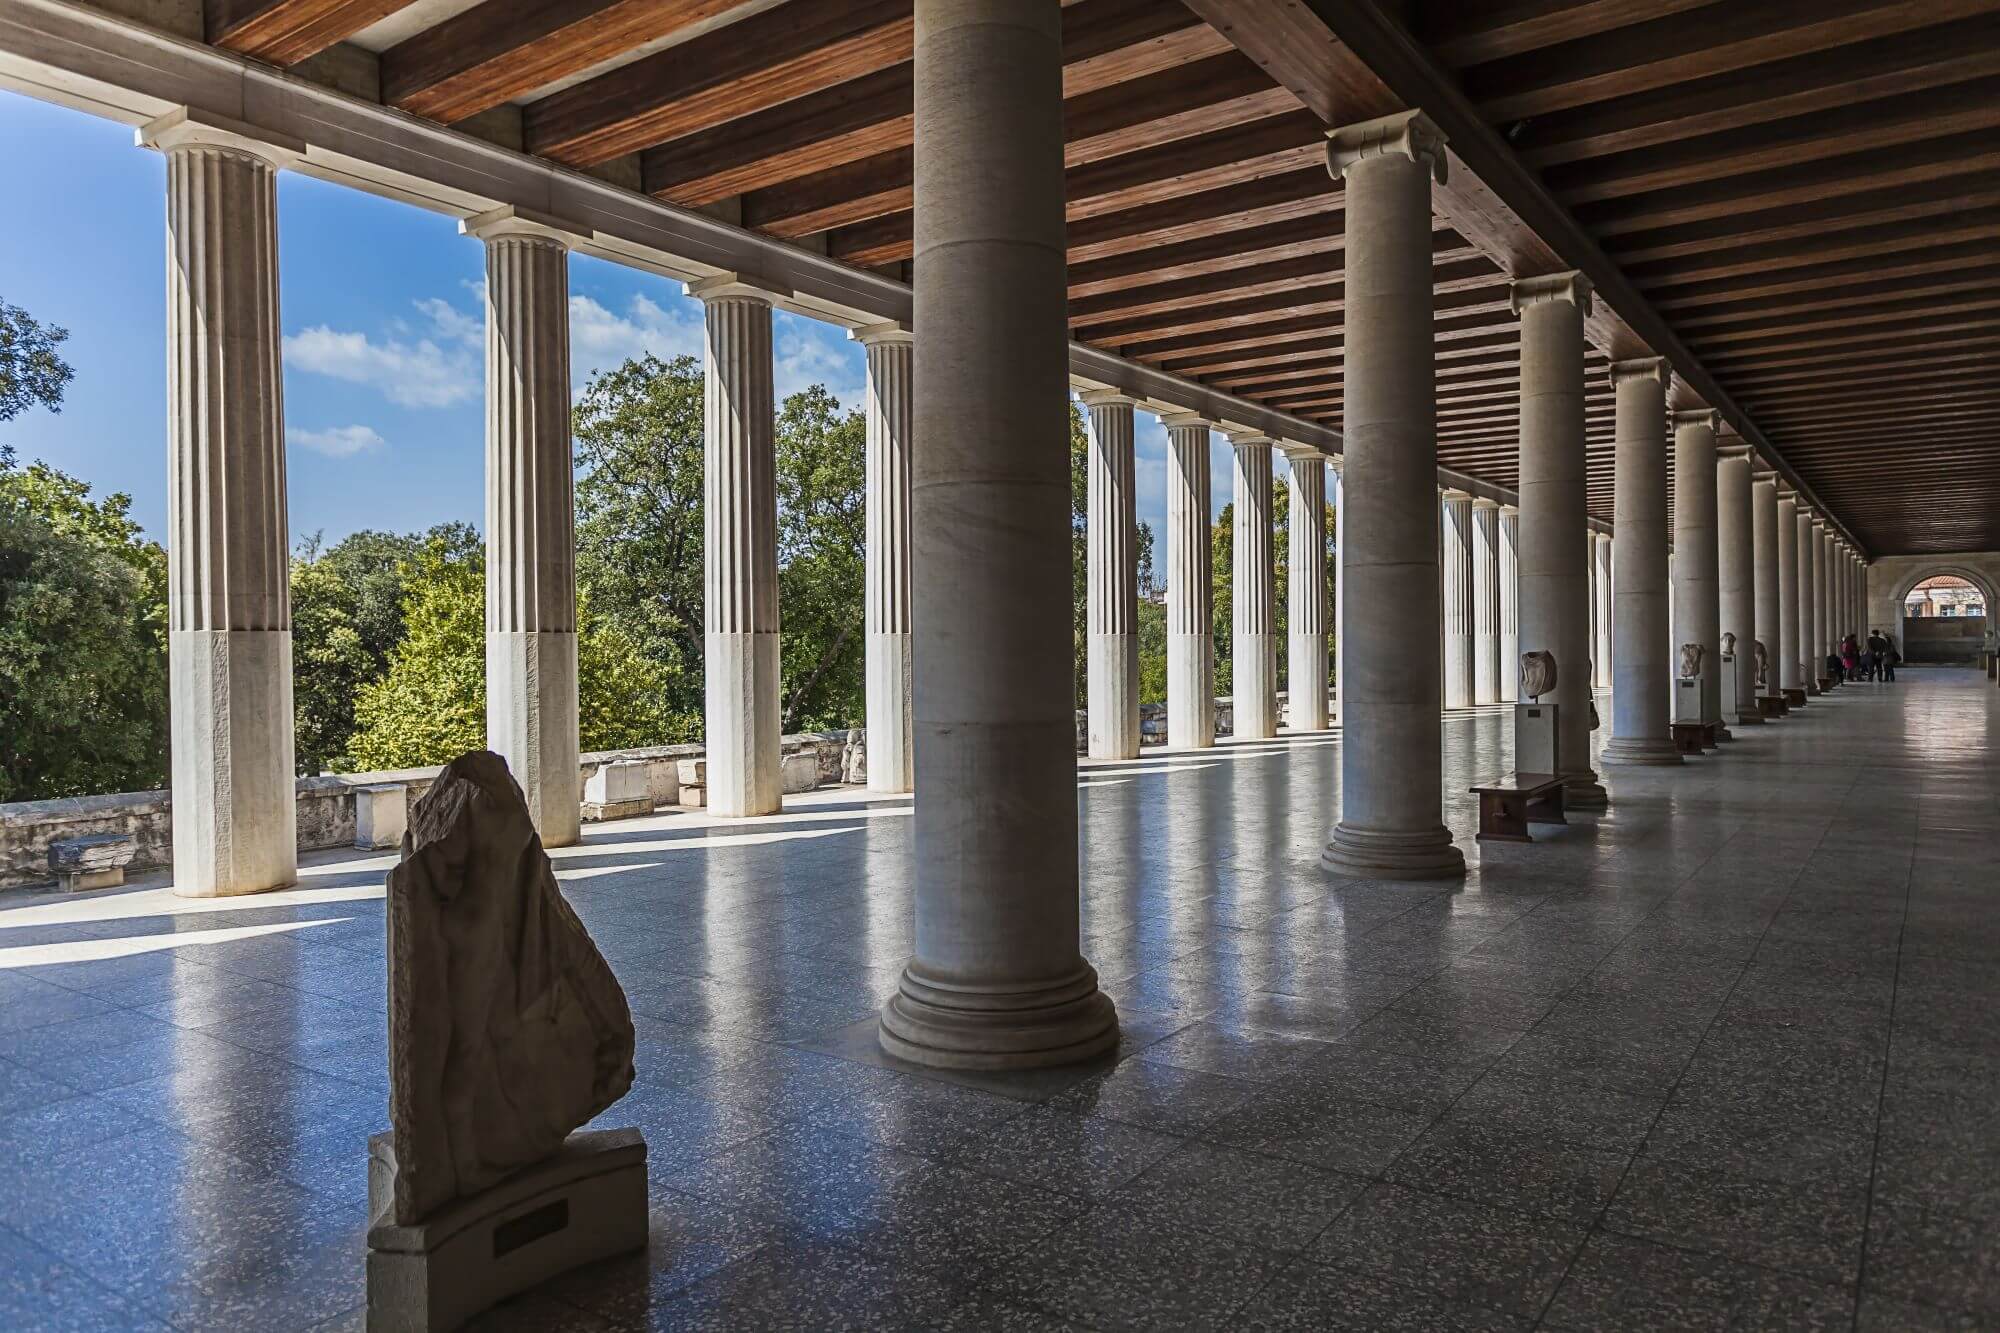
point(380, 305)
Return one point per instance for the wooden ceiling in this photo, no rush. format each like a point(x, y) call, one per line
point(1802, 196)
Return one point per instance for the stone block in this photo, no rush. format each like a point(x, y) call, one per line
point(381, 815)
point(799, 772)
point(93, 861)
point(584, 1204)
point(692, 772)
point(620, 789)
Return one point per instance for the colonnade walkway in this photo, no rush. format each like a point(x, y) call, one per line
point(1724, 1055)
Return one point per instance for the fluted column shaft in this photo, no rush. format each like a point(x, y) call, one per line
point(891, 746)
point(1305, 593)
point(1253, 649)
point(1337, 498)
point(1455, 597)
point(1764, 552)
point(1555, 594)
point(745, 731)
point(1697, 593)
point(1600, 609)
point(997, 979)
point(531, 687)
point(229, 610)
point(1736, 555)
point(1803, 650)
point(1391, 772)
point(1822, 587)
point(1486, 660)
point(1785, 538)
point(1510, 604)
point(1641, 690)
point(1111, 699)
point(1190, 587)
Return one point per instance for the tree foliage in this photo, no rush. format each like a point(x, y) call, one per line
point(822, 540)
point(32, 372)
point(83, 679)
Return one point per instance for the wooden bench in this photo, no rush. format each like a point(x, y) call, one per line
point(1507, 805)
point(1693, 737)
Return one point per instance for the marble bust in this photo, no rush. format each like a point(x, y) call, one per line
point(1763, 664)
point(1691, 655)
point(1728, 645)
point(1538, 673)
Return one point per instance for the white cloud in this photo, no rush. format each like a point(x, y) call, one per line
point(601, 339)
point(809, 353)
point(438, 365)
point(336, 441)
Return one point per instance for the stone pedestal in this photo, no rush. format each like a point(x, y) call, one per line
point(381, 815)
point(229, 611)
point(531, 692)
point(1555, 593)
point(1190, 587)
point(583, 1205)
point(1305, 593)
point(1537, 737)
point(997, 980)
point(891, 748)
point(1392, 781)
point(621, 789)
point(1112, 581)
point(1640, 729)
point(1253, 648)
point(741, 704)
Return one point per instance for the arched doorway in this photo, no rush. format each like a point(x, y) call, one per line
point(1945, 618)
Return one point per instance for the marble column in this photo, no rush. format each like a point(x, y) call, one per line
point(1600, 609)
point(1555, 592)
point(1822, 587)
point(1111, 699)
point(1305, 592)
point(1455, 520)
point(229, 609)
point(891, 742)
point(744, 730)
point(1510, 604)
point(1392, 776)
point(1807, 657)
point(1697, 595)
point(1253, 649)
point(1190, 586)
point(1642, 664)
point(1736, 573)
point(1486, 660)
point(1785, 537)
point(531, 686)
point(1336, 499)
point(1764, 536)
point(997, 980)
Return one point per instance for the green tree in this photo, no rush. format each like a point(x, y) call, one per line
point(638, 433)
point(31, 371)
point(430, 706)
point(83, 671)
point(822, 538)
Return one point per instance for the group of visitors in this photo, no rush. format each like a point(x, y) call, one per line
point(1874, 659)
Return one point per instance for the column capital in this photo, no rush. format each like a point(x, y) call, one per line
point(890, 334)
point(1301, 453)
point(1409, 134)
point(1510, 511)
point(510, 223)
point(1572, 287)
point(188, 127)
point(1481, 502)
point(1698, 416)
point(1186, 421)
point(1250, 439)
point(1640, 368)
point(737, 287)
point(1453, 493)
point(1819, 521)
point(1601, 537)
point(1107, 398)
point(1732, 451)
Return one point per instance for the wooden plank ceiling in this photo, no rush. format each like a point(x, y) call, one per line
point(1806, 192)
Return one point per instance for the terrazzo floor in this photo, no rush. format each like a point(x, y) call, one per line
point(1727, 1056)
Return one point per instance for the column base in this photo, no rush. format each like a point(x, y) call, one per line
point(943, 1026)
point(1111, 698)
point(1393, 854)
point(742, 735)
point(1639, 750)
point(235, 816)
point(1582, 791)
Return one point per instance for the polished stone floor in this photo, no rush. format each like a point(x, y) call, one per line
point(1725, 1057)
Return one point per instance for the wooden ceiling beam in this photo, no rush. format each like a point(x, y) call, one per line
point(1861, 243)
point(1465, 34)
point(1919, 317)
point(1866, 295)
point(1266, 199)
point(1938, 259)
point(284, 32)
point(798, 48)
point(1948, 194)
point(1320, 230)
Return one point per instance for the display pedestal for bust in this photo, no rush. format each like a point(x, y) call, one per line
point(1535, 732)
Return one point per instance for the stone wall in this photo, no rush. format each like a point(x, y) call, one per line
point(325, 806)
point(1891, 577)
